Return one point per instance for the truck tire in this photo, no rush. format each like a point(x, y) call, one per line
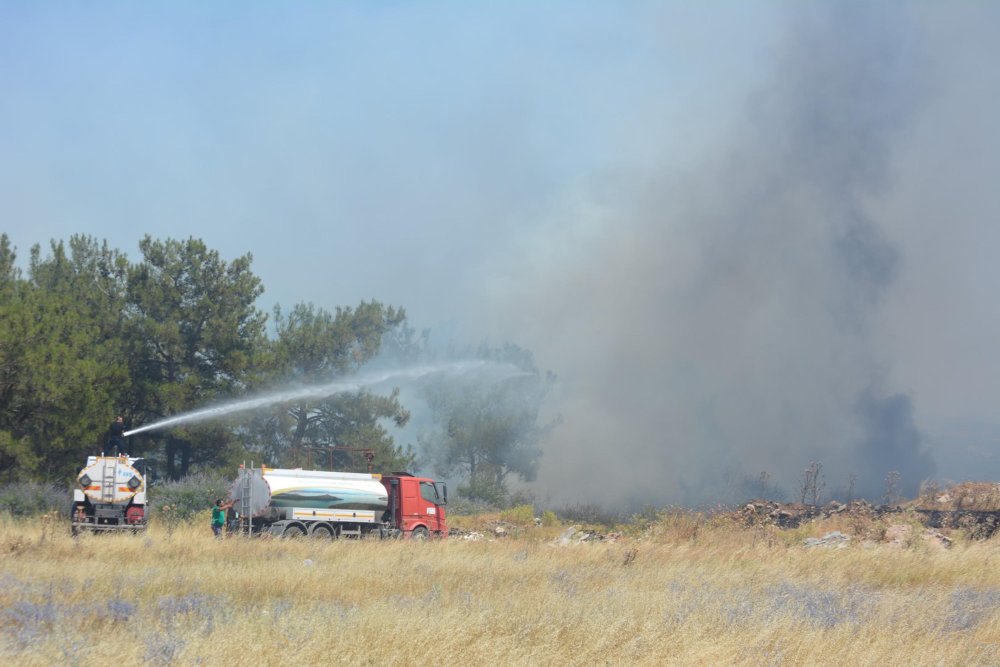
point(293, 532)
point(419, 533)
point(321, 533)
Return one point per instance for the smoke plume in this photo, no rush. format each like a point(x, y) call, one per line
point(711, 325)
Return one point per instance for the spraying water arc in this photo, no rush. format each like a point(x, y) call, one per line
point(318, 391)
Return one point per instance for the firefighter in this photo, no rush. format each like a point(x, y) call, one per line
point(116, 436)
point(219, 516)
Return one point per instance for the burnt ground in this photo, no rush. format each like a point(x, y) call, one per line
point(970, 506)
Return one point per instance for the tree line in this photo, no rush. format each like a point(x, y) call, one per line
point(87, 334)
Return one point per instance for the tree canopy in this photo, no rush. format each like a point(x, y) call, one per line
point(489, 429)
point(61, 371)
point(313, 346)
point(192, 334)
point(86, 334)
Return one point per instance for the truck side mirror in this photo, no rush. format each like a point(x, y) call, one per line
point(442, 491)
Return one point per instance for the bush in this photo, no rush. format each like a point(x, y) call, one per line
point(483, 491)
point(591, 514)
point(186, 497)
point(522, 515)
point(31, 498)
point(459, 506)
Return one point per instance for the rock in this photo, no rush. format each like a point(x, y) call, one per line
point(936, 539)
point(835, 539)
point(898, 535)
point(573, 535)
point(566, 538)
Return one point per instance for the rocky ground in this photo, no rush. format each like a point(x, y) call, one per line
point(971, 508)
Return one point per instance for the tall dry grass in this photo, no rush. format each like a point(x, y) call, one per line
point(684, 592)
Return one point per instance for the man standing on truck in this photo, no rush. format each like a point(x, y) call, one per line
point(116, 436)
point(219, 516)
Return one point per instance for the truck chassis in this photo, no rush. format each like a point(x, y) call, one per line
point(104, 519)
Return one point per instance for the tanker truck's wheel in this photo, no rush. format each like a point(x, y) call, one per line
point(293, 532)
point(322, 533)
point(419, 533)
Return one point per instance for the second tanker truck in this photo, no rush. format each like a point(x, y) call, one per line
point(319, 504)
point(110, 495)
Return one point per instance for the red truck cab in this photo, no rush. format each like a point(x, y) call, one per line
point(416, 505)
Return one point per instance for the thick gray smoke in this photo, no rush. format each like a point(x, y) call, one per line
point(710, 327)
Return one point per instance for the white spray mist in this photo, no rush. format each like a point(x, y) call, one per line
point(323, 391)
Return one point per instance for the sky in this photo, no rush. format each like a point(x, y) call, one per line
point(744, 235)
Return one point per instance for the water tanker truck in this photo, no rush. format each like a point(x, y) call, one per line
point(110, 495)
point(315, 503)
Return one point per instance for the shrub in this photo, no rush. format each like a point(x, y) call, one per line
point(459, 506)
point(31, 498)
point(184, 498)
point(522, 515)
point(591, 514)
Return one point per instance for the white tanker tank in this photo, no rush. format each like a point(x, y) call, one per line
point(110, 494)
point(286, 501)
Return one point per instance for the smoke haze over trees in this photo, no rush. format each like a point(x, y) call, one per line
point(89, 335)
point(487, 432)
point(312, 346)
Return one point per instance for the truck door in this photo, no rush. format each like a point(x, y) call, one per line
point(420, 505)
point(431, 504)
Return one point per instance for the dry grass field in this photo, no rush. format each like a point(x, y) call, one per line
point(679, 592)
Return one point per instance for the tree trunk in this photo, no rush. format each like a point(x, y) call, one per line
point(185, 458)
point(178, 449)
point(171, 456)
point(302, 421)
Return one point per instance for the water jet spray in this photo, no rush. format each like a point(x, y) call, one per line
point(326, 390)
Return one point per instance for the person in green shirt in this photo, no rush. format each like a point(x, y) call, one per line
point(219, 516)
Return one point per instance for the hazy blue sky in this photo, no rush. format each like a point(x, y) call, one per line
point(358, 150)
point(568, 176)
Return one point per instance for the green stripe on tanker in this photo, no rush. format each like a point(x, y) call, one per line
point(328, 498)
point(283, 488)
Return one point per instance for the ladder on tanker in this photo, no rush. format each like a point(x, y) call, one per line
point(109, 471)
point(246, 497)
